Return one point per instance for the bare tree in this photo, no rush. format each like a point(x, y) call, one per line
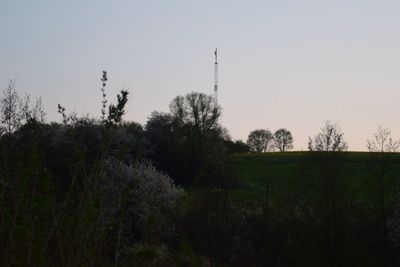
point(328, 184)
point(283, 140)
point(382, 146)
point(26, 108)
point(10, 108)
point(38, 112)
point(330, 138)
point(382, 141)
point(32, 112)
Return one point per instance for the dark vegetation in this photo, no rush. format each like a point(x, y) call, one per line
point(179, 192)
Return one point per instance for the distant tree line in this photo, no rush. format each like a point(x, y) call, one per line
point(262, 140)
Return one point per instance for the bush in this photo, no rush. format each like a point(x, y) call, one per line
point(140, 198)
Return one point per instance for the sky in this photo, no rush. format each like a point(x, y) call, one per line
point(287, 63)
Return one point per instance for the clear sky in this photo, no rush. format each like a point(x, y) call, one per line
point(292, 64)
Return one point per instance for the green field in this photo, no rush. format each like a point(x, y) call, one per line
point(275, 173)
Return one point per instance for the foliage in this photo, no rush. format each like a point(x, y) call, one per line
point(141, 200)
point(196, 110)
point(10, 108)
point(16, 110)
point(291, 184)
point(104, 101)
point(115, 112)
point(185, 138)
point(260, 140)
point(237, 146)
point(283, 140)
point(143, 194)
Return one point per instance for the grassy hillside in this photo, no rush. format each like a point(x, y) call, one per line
point(273, 174)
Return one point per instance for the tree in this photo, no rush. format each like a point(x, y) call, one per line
point(326, 188)
point(140, 200)
point(37, 112)
point(237, 146)
point(159, 127)
point(159, 130)
point(115, 112)
point(16, 110)
point(187, 136)
point(104, 80)
point(192, 140)
point(330, 138)
point(29, 112)
point(10, 108)
point(196, 131)
point(382, 147)
point(283, 140)
point(382, 142)
point(198, 111)
point(260, 140)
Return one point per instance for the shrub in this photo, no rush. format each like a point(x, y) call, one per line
point(141, 198)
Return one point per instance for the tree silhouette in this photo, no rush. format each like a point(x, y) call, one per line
point(10, 108)
point(381, 166)
point(115, 112)
point(260, 140)
point(283, 140)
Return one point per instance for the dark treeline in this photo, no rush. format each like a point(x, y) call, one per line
point(108, 192)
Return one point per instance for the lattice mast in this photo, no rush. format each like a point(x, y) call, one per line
point(216, 77)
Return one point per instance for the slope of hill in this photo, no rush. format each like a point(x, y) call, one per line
point(271, 175)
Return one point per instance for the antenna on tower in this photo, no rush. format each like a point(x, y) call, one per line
point(216, 77)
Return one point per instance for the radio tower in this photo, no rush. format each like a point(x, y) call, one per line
point(216, 78)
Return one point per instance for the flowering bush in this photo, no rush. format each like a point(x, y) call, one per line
point(139, 197)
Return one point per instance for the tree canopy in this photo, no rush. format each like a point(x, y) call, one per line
point(260, 140)
point(283, 140)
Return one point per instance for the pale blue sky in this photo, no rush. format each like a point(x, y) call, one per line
point(292, 64)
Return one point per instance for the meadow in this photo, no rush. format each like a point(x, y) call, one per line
point(277, 173)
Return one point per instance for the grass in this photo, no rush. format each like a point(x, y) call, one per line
point(276, 173)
